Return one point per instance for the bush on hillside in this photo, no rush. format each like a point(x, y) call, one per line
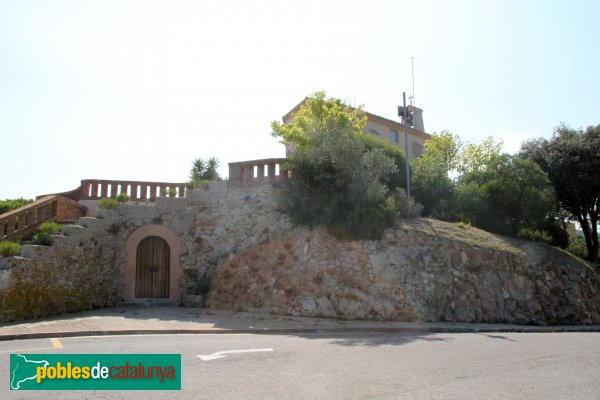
point(43, 239)
point(343, 178)
point(122, 198)
point(578, 248)
point(107, 203)
point(9, 249)
point(50, 227)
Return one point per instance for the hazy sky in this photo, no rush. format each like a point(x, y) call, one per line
point(138, 89)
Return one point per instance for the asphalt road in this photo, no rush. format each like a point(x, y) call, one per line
point(368, 366)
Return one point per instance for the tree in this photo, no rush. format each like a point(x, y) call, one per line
point(510, 196)
point(11, 204)
point(340, 176)
point(519, 191)
point(571, 158)
point(475, 183)
point(205, 170)
point(473, 159)
point(430, 180)
point(316, 114)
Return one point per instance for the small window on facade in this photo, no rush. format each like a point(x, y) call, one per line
point(393, 136)
point(417, 150)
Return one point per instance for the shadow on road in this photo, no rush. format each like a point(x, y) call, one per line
point(499, 337)
point(377, 339)
point(129, 319)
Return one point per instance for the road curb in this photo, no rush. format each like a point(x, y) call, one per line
point(300, 331)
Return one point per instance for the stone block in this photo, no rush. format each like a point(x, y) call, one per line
point(32, 251)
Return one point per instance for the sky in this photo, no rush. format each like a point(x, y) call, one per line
point(136, 90)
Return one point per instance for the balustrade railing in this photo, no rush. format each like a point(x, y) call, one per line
point(258, 171)
point(19, 223)
point(94, 189)
point(23, 221)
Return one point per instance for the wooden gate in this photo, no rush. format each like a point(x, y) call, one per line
point(152, 268)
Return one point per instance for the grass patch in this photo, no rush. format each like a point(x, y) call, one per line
point(467, 234)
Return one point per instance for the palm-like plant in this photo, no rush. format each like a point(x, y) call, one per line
point(198, 170)
point(204, 170)
point(211, 173)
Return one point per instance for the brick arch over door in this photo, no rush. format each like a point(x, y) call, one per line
point(131, 247)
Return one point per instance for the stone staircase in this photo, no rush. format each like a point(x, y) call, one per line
point(70, 237)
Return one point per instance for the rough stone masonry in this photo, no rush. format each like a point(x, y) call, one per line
point(239, 251)
point(423, 270)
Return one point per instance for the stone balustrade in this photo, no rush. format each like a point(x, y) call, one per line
point(257, 171)
point(21, 222)
point(94, 189)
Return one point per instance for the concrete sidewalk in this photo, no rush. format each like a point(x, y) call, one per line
point(129, 320)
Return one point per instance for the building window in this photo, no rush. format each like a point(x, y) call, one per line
point(393, 136)
point(417, 149)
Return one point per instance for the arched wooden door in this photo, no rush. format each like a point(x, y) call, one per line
point(152, 268)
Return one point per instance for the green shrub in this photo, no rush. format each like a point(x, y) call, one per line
point(43, 239)
point(407, 207)
point(205, 170)
point(463, 225)
point(578, 248)
point(343, 178)
point(107, 203)
point(535, 235)
point(9, 249)
point(122, 197)
point(171, 192)
point(337, 184)
point(204, 184)
point(50, 227)
point(393, 179)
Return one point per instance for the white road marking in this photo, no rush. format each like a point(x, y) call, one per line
point(223, 354)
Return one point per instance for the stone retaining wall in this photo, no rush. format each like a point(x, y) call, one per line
point(239, 248)
point(423, 270)
point(73, 275)
point(85, 266)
